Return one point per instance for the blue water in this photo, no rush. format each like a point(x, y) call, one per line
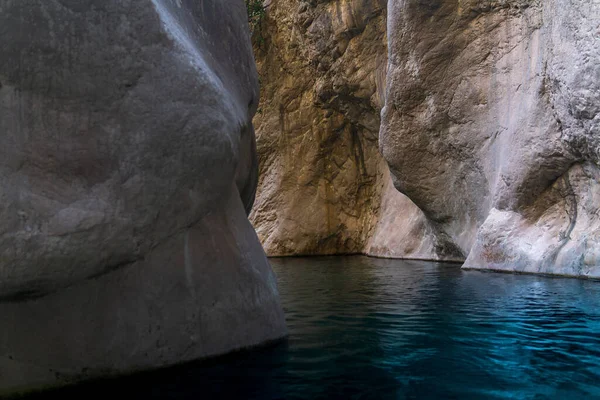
point(364, 328)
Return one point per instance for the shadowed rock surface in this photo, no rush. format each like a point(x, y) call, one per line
point(492, 125)
point(127, 169)
point(324, 188)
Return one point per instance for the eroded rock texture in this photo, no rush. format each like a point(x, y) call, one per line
point(127, 168)
point(492, 127)
point(324, 188)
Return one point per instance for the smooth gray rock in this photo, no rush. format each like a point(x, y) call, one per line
point(127, 170)
point(492, 125)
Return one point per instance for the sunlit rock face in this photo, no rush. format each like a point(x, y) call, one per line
point(492, 127)
point(324, 188)
point(127, 169)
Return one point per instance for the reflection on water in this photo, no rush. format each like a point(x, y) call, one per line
point(363, 328)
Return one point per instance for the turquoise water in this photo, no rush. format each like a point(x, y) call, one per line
point(364, 328)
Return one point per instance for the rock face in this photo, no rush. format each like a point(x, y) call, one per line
point(324, 188)
point(492, 127)
point(127, 169)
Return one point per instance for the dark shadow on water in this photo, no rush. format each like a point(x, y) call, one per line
point(364, 328)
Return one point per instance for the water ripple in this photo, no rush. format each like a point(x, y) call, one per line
point(429, 330)
point(365, 328)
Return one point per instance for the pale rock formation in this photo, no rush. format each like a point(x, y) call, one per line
point(402, 231)
point(127, 169)
point(492, 127)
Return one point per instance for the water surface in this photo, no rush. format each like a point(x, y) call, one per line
point(364, 328)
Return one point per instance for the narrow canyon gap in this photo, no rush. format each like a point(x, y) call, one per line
point(324, 187)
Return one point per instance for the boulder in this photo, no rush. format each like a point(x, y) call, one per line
point(127, 170)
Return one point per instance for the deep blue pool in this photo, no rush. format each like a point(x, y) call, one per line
point(363, 328)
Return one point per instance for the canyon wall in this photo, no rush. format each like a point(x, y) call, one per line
point(127, 170)
point(492, 127)
point(324, 187)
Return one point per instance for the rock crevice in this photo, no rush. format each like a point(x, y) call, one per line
point(324, 188)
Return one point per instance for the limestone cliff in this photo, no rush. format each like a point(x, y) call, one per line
point(492, 127)
point(127, 168)
point(324, 187)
